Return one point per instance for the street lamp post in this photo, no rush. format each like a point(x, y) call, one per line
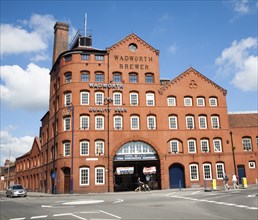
point(233, 151)
point(71, 108)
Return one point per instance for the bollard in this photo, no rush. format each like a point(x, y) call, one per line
point(204, 185)
point(214, 184)
point(244, 182)
point(180, 185)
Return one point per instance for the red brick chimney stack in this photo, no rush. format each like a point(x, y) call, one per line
point(60, 39)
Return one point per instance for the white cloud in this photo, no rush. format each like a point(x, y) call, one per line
point(240, 60)
point(25, 88)
point(172, 48)
point(31, 36)
point(241, 6)
point(14, 147)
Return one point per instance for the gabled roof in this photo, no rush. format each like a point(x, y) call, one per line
point(186, 73)
point(136, 38)
point(240, 120)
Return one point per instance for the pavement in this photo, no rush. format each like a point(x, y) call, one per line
point(42, 194)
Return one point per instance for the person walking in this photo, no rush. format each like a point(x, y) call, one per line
point(225, 180)
point(234, 181)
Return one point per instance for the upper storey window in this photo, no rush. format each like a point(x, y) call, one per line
point(99, 57)
point(132, 47)
point(68, 58)
point(133, 77)
point(133, 98)
point(213, 101)
point(99, 77)
point(188, 101)
point(68, 77)
point(117, 77)
point(171, 101)
point(85, 76)
point(149, 78)
point(200, 101)
point(85, 56)
point(150, 99)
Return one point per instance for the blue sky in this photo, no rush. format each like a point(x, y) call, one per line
point(217, 38)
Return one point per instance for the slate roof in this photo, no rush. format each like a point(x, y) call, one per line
point(238, 120)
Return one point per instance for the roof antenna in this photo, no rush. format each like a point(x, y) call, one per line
point(85, 23)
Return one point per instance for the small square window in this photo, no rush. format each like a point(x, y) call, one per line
point(99, 57)
point(252, 164)
point(85, 56)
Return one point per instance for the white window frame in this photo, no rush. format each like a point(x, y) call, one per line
point(85, 98)
point(172, 120)
point(86, 181)
point(86, 145)
point(200, 101)
point(66, 149)
point(99, 122)
point(189, 147)
point(247, 146)
point(202, 122)
point(134, 101)
point(117, 98)
point(67, 98)
point(67, 123)
point(215, 146)
point(135, 122)
point(207, 172)
point(206, 141)
point(118, 122)
point(215, 122)
point(220, 170)
point(213, 101)
point(82, 121)
point(171, 101)
point(252, 164)
point(188, 101)
point(99, 175)
point(68, 77)
point(189, 122)
point(194, 174)
point(99, 147)
point(151, 122)
point(174, 146)
point(99, 98)
point(150, 99)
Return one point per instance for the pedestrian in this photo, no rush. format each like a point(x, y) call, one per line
point(225, 180)
point(234, 181)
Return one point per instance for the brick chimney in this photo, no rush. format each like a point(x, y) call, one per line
point(60, 39)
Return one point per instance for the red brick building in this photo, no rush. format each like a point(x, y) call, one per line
point(111, 120)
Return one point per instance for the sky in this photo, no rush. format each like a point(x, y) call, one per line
point(218, 38)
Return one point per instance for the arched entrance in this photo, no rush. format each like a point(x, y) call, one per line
point(133, 160)
point(176, 176)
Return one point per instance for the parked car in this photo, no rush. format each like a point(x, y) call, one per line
point(16, 190)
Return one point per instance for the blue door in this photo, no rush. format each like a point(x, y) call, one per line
point(240, 172)
point(176, 176)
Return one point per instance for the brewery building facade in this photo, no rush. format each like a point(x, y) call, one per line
point(111, 120)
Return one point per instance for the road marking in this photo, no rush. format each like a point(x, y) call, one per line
point(216, 202)
point(118, 201)
point(17, 218)
point(71, 214)
point(83, 202)
point(40, 216)
point(110, 214)
point(170, 194)
point(195, 192)
point(252, 195)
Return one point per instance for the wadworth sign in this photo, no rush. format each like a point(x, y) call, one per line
point(133, 62)
point(106, 86)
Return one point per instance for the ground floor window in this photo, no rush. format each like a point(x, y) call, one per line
point(84, 176)
point(99, 175)
point(207, 171)
point(194, 172)
point(220, 170)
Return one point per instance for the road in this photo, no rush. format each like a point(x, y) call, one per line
point(162, 204)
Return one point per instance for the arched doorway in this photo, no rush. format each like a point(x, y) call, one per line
point(133, 160)
point(66, 171)
point(176, 176)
